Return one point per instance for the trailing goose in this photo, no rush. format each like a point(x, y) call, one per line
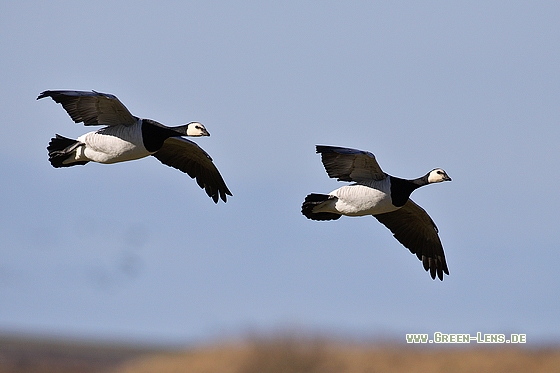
point(126, 137)
point(385, 197)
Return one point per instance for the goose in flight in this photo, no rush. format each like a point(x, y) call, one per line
point(386, 197)
point(126, 137)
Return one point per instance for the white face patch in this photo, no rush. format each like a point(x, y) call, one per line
point(437, 176)
point(196, 129)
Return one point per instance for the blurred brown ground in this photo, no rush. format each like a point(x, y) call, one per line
point(280, 355)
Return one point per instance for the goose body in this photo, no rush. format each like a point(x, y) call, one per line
point(359, 199)
point(386, 197)
point(111, 145)
point(126, 137)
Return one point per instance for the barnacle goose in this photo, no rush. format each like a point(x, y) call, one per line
point(385, 197)
point(126, 137)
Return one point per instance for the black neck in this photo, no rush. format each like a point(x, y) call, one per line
point(421, 181)
point(401, 189)
point(154, 134)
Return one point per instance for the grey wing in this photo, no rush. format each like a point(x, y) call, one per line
point(188, 157)
point(346, 164)
point(412, 226)
point(92, 108)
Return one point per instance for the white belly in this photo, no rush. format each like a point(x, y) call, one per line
point(359, 200)
point(112, 145)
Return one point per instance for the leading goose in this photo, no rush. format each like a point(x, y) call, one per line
point(127, 137)
point(385, 197)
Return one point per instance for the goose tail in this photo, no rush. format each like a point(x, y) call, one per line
point(313, 200)
point(60, 150)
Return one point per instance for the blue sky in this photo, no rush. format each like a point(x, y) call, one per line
point(136, 251)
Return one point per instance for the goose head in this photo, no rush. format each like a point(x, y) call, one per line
point(195, 129)
point(437, 175)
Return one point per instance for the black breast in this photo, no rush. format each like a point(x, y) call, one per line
point(154, 134)
point(401, 190)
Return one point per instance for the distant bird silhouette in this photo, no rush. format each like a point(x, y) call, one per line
point(385, 197)
point(127, 137)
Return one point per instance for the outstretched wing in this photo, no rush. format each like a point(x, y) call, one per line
point(188, 157)
point(412, 226)
point(348, 164)
point(92, 108)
